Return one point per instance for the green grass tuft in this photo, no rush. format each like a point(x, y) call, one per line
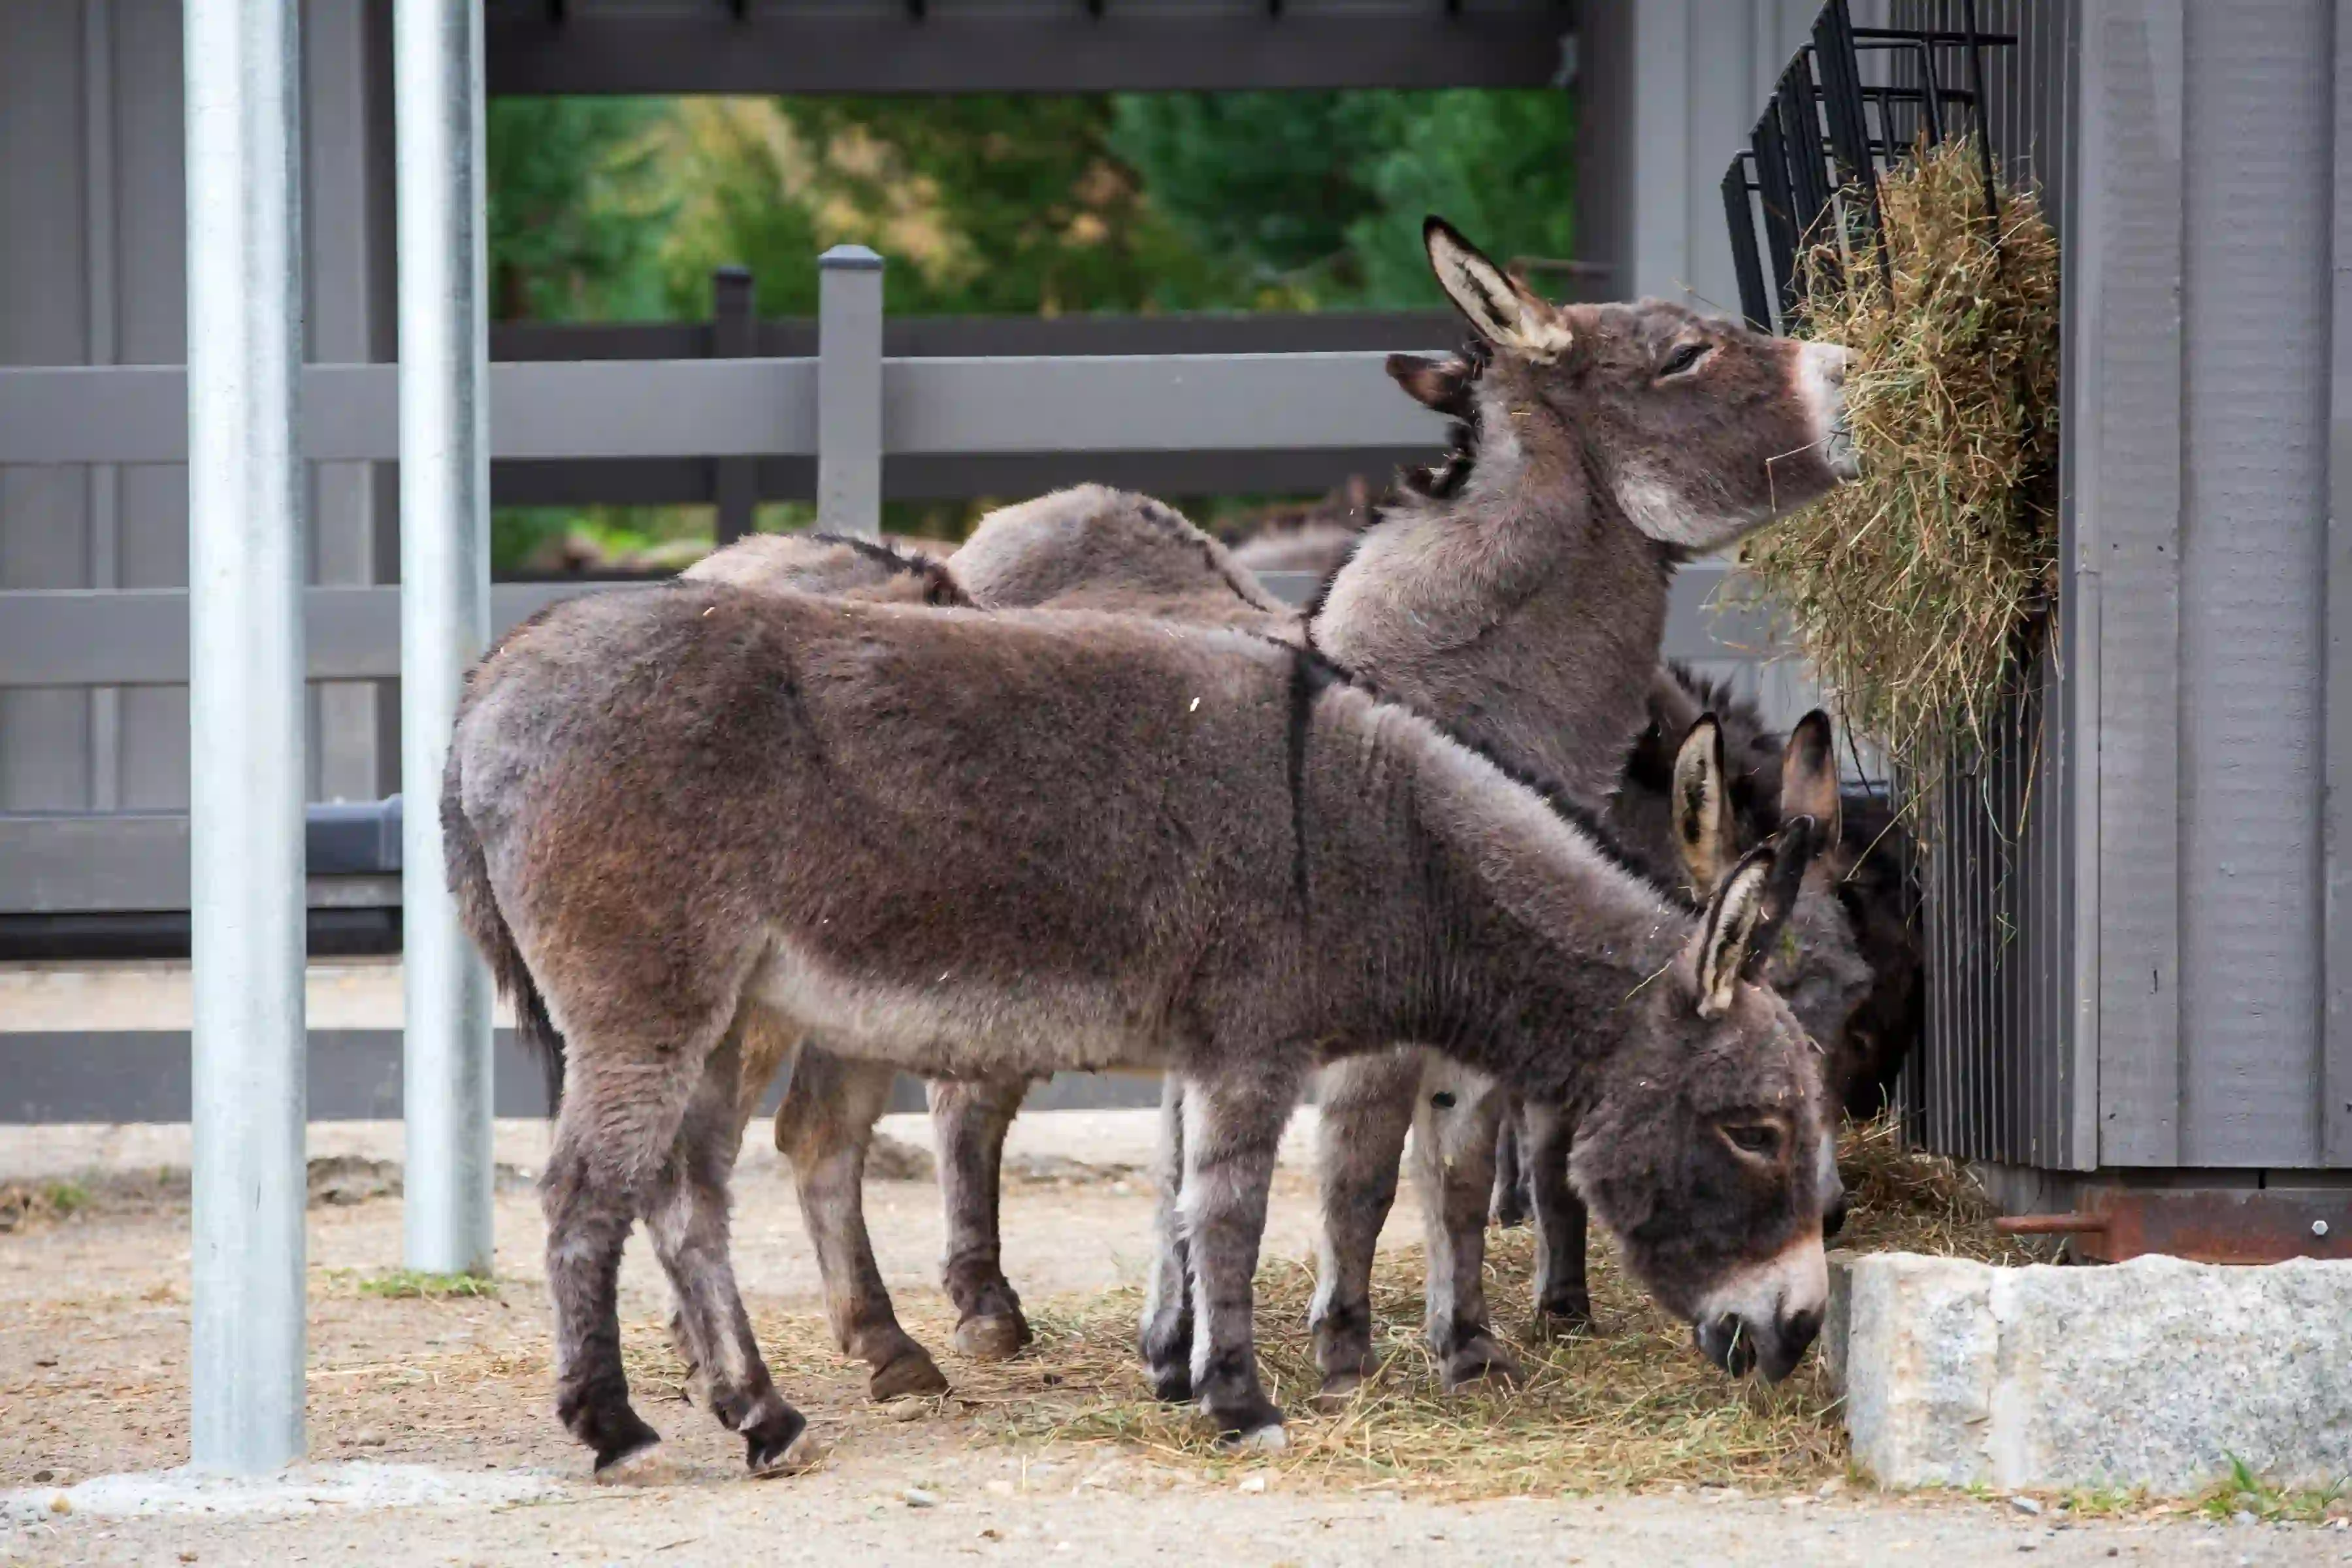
point(409, 1284)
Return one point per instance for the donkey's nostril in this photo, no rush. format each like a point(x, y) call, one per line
point(1792, 1336)
point(1727, 1342)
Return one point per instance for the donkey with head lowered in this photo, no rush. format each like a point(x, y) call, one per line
point(970, 844)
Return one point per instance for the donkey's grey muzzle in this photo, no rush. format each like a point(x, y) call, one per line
point(1739, 1346)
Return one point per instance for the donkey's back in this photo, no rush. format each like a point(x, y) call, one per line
point(849, 802)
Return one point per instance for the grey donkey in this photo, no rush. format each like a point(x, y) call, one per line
point(965, 844)
point(1520, 588)
point(1686, 814)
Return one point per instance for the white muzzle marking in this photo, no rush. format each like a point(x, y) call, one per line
point(1821, 386)
point(1795, 1280)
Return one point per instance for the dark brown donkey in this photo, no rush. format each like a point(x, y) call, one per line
point(978, 844)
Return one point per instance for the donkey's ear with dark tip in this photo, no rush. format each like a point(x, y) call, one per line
point(1439, 381)
point(1701, 805)
point(1728, 930)
point(1792, 850)
point(1500, 311)
point(1808, 775)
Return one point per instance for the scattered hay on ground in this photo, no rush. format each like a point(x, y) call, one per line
point(1629, 1406)
point(1909, 589)
point(26, 1204)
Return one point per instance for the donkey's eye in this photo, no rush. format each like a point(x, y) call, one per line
point(1759, 1138)
point(1683, 359)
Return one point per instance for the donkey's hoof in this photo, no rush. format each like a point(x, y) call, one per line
point(910, 1371)
point(1172, 1381)
point(1272, 1438)
point(1480, 1360)
point(1563, 1316)
point(648, 1463)
point(783, 1447)
point(995, 1336)
point(1509, 1213)
point(1338, 1391)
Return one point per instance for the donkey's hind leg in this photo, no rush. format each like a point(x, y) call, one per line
point(970, 1119)
point(1455, 1116)
point(1164, 1339)
point(1233, 1124)
point(1563, 1304)
point(623, 1105)
point(1509, 1208)
point(822, 1128)
point(1366, 1108)
point(686, 1211)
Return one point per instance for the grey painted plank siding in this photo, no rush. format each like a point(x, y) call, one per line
point(2124, 401)
point(91, 240)
point(2257, 129)
point(2336, 822)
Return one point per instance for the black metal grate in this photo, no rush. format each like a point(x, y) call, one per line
point(1830, 128)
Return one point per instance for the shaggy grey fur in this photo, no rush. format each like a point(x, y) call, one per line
point(978, 845)
point(1519, 589)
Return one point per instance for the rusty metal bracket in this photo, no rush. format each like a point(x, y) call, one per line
point(2241, 1225)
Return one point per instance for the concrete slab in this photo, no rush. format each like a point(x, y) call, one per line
point(2154, 1373)
point(300, 1489)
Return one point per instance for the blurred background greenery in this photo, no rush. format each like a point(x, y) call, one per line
point(619, 209)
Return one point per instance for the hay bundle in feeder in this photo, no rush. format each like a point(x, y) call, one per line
point(1914, 589)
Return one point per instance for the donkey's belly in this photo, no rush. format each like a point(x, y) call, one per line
point(951, 1026)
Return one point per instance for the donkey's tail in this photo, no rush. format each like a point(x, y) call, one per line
point(478, 908)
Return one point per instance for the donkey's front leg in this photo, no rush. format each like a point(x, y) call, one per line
point(1366, 1108)
point(1563, 1305)
point(1455, 1120)
point(686, 1211)
point(1164, 1339)
point(968, 1120)
point(1233, 1125)
point(822, 1128)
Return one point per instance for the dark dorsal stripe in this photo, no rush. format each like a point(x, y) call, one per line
point(1313, 673)
point(942, 588)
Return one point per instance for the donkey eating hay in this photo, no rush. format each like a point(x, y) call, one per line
point(965, 843)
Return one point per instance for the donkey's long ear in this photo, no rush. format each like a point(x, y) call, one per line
point(1792, 849)
point(1503, 313)
point(1441, 381)
point(1702, 806)
point(1728, 930)
point(1809, 776)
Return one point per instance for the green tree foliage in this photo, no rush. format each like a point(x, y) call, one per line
point(1325, 192)
point(985, 206)
point(619, 209)
point(575, 212)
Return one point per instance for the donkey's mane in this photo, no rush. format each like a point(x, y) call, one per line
point(943, 590)
point(1179, 531)
point(1314, 672)
point(1438, 481)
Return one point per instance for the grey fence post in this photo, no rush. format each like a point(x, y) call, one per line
point(245, 713)
point(444, 616)
point(734, 334)
point(850, 392)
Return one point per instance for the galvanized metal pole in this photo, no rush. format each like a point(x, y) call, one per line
point(245, 713)
point(850, 392)
point(445, 597)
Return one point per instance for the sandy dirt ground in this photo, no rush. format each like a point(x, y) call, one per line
point(93, 1380)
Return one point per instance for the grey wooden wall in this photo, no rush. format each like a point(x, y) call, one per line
point(91, 203)
point(2172, 991)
